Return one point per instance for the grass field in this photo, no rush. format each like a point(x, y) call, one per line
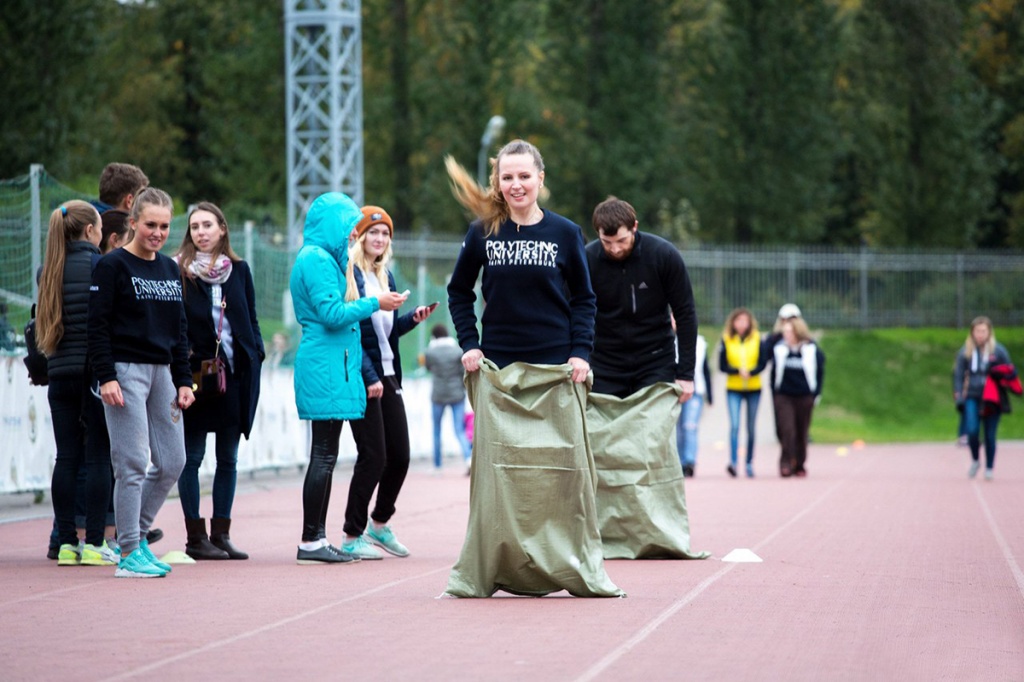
point(896, 385)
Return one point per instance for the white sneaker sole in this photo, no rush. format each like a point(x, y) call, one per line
point(125, 573)
point(389, 550)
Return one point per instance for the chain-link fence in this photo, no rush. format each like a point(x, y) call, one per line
point(834, 287)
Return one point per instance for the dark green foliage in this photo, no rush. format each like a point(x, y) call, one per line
point(842, 122)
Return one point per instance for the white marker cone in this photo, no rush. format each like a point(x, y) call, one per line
point(742, 556)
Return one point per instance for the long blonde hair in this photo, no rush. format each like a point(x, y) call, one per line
point(803, 334)
point(357, 258)
point(67, 224)
point(488, 204)
point(990, 345)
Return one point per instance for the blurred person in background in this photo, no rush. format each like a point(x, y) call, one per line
point(443, 359)
point(982, 375)
point(742, 359)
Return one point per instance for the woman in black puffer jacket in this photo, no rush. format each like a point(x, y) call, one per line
point(79, 428)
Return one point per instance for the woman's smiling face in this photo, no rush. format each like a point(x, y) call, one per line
point(519, 181)
point(151, 230)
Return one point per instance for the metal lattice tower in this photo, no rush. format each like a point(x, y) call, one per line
point(324, 88)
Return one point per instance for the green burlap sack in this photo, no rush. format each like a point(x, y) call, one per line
point(641, 503)
point(532, 519)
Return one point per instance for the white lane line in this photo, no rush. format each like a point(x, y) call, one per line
point(617, 653)
point(55, 593)
point(269, 626)
point(1018, 575)
point(27, 517)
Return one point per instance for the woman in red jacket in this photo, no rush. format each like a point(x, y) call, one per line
point(974, 362)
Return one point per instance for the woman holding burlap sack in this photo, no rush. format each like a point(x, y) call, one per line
point(533, 518)
point(226, 355)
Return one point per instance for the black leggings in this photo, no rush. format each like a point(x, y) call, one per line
point(382, 460)
point(316, 490)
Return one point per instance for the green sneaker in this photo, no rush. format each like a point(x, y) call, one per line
point(95, 556)
point(386, 540)
point(144, 546)
point(69, 555)
point(136, 565)
point(362, 549)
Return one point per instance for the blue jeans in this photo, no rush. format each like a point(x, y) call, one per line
point(225, 476)
point(219, 415)
point(736, 400)
point(686, 430)
point(458, 421)
point(973, 423)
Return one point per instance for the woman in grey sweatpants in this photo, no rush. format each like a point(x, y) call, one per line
point(139, 351)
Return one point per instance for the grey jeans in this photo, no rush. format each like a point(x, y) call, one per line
point(147, 447)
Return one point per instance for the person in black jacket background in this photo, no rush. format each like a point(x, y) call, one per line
point(382, 435)
point(638, 278)
point(220, 305)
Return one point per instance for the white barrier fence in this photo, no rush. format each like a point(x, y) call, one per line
point(279, 438)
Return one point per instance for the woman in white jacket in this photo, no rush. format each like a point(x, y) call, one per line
point(798, 369)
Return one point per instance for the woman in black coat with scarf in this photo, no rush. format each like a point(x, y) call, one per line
point(220, 304)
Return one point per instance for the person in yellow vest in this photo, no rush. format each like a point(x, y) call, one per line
point(741, 360)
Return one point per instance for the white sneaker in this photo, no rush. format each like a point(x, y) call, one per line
point(973, 471)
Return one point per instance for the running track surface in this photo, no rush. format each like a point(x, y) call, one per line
point(886, 563)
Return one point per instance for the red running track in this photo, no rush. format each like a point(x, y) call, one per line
point(886, 563)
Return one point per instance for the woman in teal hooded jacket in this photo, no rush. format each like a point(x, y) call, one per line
point(328, 381)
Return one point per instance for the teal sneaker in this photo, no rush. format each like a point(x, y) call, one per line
point(362, 549)
point(136, 565)
point(386, 540)
point(144, 546)
point(69, 555)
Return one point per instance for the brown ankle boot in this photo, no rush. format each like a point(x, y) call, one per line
point(219, 529)
point(198, 545)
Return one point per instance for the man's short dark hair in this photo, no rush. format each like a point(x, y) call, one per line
point(118, 180)
point(439, 331)
point(612, 214)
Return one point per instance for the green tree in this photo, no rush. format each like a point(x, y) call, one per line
point(995, 47)
point(46, 88)
point(757, 118)
point(227, 99)
point(605, 88)
point(916, 119)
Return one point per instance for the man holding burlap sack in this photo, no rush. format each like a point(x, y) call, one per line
point(643, 371)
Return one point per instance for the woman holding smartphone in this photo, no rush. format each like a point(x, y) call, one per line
point(382, 436)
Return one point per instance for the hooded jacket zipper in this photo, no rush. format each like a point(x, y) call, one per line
point(346, 365)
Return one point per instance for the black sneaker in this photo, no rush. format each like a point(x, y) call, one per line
point(324, 555)
point(732, 470)
point(154, 535)
point(52, 553)
point(688, 471)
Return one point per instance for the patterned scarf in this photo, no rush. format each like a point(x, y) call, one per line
point(211, 272)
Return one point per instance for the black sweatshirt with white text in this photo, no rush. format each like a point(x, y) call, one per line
point(536, 289)
point(136, 315)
